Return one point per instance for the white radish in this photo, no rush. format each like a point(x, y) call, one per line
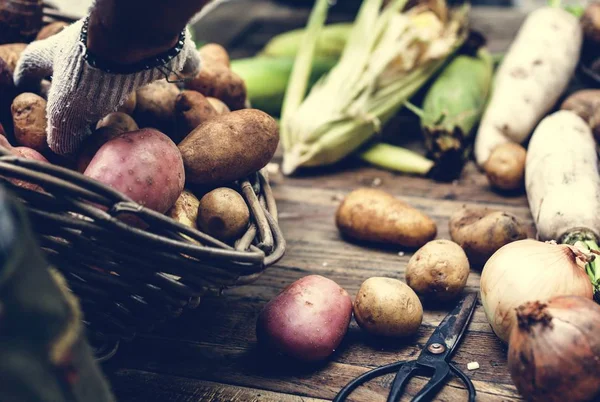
point(562, 180)
point(534, 73)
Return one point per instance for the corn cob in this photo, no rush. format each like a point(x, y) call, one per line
point(453, 106)
point(267, 78)
point(330, 42)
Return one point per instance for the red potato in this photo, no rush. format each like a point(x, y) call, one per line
point(27, 153)
point(307, 320)
point(144, 164)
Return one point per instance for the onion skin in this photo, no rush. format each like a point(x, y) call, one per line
point(528, 270)
point(554, 352)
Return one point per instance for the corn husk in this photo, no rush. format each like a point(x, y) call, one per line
point(390, 54)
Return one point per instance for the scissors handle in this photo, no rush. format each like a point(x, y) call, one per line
point(440, 373)
point(363, 378)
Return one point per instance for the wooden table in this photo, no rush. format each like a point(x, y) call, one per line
point(210, 354)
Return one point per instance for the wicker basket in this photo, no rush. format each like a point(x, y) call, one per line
point(130, 279)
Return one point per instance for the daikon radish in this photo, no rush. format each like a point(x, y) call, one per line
point(534, 73)
point(562, 180)
point(563, 185)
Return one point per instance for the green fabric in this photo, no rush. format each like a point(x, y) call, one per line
point(33, 316)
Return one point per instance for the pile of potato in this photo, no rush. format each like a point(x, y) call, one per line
point(309, 318)
point(178, 151)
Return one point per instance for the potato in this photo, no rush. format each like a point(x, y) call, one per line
point(216, 79)
point(51, 29)
point(118, 121)
point(10, 53)
point(505, 168)
point(307, 320)
point(375, 216)
point(214, 53)
point(481, 232)
point(144, 165)
point(586, 104)
point(155, 106)
point(223, 214)
point(229, 147)
point(2, 132)
point(218, 105)
point(29, 119)
point(387, 307)
point(185, 210)
point(92, 144)
point(191, 110)
point(438, 271)
point(27, 153)
point(128, 106)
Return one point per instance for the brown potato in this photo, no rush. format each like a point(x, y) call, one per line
point(29, 119)
point(213, 53)
point(128, 107)
point(223, 214)
point(586, 104)
point(216, 79)
point(438, 271)
point(375, 216)
point(119, 121)
point(185, 210)
point(218, 105)
point(229, 147)
point(191, 110)
point(481, 232)
point(155, 106)
point(51, 29)
point(505, 168)
point(10, 53)
point(590, 22)
point(387, 307)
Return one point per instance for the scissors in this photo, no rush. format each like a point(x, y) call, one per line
point(434, 359)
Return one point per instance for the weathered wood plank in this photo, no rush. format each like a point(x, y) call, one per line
point(143, 386)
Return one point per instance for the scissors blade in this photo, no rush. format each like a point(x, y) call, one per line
point(453, 326)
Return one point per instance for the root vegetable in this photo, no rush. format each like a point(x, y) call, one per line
point(387, 307)
point(144, 165)
point(229, 147)
point(155, 106)
point(129, 105)
point(590, 21)
point(27, 153)
point(185, 210)
point(553, 352)
point(563, 184)
point(505, 168)
point(307, 320)
point(586, 104)
point(438, 271)
point(529, 270)
point(481, 232)
point(51, 29)
point(92, 144)
point(375, 216)
point(191, 110)
point(118, 121)
point(20, 20)
point(29, 119)
point(223, 214)
point(216, 79)
point(218, 105)
point(534, 73)
point(10, 53)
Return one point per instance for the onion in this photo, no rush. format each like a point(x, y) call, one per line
point(528, 270)
point(554, 351)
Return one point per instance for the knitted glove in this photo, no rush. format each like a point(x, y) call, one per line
point(84, 90)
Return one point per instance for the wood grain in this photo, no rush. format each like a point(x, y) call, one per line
point(211, 354)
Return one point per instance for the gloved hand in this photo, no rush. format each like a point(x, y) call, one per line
point(84, 88)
